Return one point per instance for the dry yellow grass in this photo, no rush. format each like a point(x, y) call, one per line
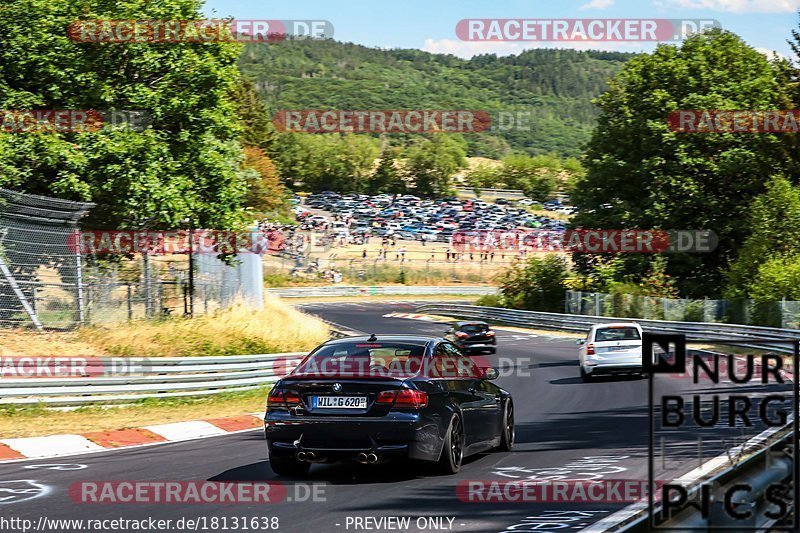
point(21, 342)
point(235, 331)
point(36, 422)
point(277, 327)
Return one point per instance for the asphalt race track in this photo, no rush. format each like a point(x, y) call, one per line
point(565, 429)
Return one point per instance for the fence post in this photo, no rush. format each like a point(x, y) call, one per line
point(783, 311)
point(79, 282)
point(597, 304)
point(130, 301)
point(148, 296)
point(88, 312)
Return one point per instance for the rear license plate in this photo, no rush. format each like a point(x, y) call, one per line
point(618, 348)
point(338, 402)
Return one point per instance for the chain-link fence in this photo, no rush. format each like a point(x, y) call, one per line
point(50, 280)
point(36, 262)
point(782, 314)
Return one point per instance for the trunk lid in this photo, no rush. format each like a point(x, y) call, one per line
point(340, 396)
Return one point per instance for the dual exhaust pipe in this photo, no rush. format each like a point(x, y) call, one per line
point(367, 458)
point(363, 458)
point(306, 457)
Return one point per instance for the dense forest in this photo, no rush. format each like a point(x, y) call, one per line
point(555, 86)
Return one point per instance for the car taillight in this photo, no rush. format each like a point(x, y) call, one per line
point(281, 398)
point(292, 398)
point(275, 398)
point(590, 349)
point(462, 335)
point(386, 397)
point(406, 398)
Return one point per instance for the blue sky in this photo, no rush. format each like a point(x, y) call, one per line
point(430, 24)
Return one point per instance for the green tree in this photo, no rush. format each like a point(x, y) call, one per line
point(656, 282)
point(188, 163)
point(537, 284)
point(536, 176)
point(265, 194)
point(775, 279)
point(433, 162)
point(327, 161)
point(774, 220)
point(387, 178)
point(483, 176)
point(257, 127)
point(652, 177)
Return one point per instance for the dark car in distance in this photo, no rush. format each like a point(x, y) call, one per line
point(472, 336)
point(373, 399)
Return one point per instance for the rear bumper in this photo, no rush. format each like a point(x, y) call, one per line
point(408, 435)
point(478, 345)
point(613, 368)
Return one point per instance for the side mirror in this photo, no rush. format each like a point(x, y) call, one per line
point(490, 373)
point(580, 342)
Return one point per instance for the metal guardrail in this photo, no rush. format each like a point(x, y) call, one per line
point(389, 290)
point(768, 463)
point(751, 470)
point(499, 193)
point(159, 377)
point(694, 331)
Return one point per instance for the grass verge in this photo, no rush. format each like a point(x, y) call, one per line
point(234, 331)
point(36, 421)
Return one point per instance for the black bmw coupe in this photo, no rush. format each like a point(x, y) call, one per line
point(373, 399)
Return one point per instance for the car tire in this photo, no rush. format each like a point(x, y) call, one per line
point(284, 464)
point(584, 376)
point(453, 448)
point(507, 433)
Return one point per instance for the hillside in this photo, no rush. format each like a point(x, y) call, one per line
point(556, 86)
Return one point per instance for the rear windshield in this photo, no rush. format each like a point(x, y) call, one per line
point(625, 333)
point(475, 328)
point(364, 359)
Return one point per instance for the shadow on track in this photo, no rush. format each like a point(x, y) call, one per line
point(341, 473)
point(599, 379)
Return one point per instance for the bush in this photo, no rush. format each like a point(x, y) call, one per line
point(490, 300)
point(536, 285)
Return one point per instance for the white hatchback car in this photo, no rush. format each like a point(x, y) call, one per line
point(611, 349)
